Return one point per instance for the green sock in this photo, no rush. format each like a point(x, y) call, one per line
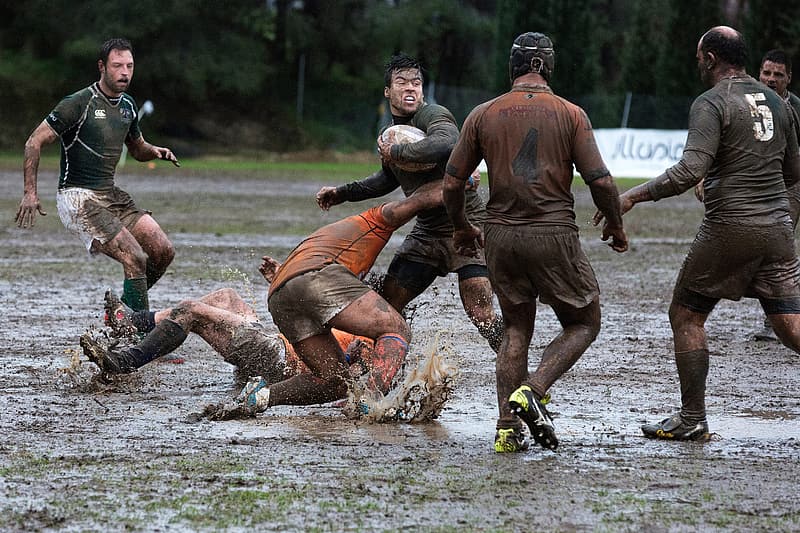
point(134, 294)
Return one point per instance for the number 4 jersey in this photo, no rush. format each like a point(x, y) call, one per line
point(530, 139)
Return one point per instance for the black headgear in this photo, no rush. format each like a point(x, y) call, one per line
point(531, 52)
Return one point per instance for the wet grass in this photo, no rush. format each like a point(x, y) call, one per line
point(242, 488)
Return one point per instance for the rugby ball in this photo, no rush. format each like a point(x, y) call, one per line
point(405, 134)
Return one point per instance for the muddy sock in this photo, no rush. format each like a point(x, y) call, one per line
point(152, 274)
point(387, 359)
point(511, 423)
point(134, 294)
point(493, 332)
point(164, 338)
point(144, 321)
point(692, 371)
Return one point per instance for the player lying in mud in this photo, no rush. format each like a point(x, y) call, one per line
point(316, 291)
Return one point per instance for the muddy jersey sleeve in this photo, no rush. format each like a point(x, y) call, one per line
point(791, 162)
point(441, 132)
point(134, 132)
point(588, 161)
point(68, 112)
point(375, 185)
point(466, 154)
point(702, 141)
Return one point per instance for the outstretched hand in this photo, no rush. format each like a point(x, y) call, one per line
point(166, 154)
point(26, 214)
point(268, 268)
point(626, 203)
point(327, 197)
point(467, 240)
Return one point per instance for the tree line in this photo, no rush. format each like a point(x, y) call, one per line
point(283, 75)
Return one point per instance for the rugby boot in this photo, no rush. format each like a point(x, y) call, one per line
point(107, 358)
point(532, 411)
point(117, 316)
point(510, 440)
point(676, 428)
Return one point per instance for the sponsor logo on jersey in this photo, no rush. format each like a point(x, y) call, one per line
point(99, 113)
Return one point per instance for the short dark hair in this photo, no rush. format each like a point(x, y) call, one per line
point(400, 61)
point(114, 44)
point(779, 57)
point(730, 49)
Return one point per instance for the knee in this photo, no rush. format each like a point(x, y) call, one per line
point(402, 328)
point(165, 253)
point(593, 329)
point(185, 309)
point(136, 259)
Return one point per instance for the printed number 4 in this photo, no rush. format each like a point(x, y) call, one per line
point(525, 163)
point(763, 126)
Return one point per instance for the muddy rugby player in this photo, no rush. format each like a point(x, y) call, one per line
point(427, 251)
point(742, 139)
point(318, 288)
point(530, 139)
point(776, 73)
point(222, 319)
point(93, 124)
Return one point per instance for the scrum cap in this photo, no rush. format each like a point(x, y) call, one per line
point(531, 52)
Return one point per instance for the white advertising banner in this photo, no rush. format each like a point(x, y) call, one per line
point(635, 153)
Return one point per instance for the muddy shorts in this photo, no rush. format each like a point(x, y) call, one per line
point(731, 261)
point(256, 352)
point(526, 263)
point(305, 304)
point(97, 215)
point(418, 262)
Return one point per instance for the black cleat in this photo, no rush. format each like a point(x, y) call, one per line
point(107, 358)
point(533, 412)
point(117, 316)
point(510, 440)
point(675, 428)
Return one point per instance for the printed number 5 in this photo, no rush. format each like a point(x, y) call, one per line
point(763, 126)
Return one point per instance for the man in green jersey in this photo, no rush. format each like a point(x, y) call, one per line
point(742, 139)
point(93, 124)
point(776, 73)
point(427, 251)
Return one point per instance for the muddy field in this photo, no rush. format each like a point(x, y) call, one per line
point(76, 457)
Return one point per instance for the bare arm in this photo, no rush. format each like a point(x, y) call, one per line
point(29, 206)
point(399, 212)
point(142, 150)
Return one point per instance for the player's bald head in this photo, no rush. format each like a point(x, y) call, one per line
point(726, 44)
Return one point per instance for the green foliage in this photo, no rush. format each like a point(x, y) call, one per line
point(285, 75)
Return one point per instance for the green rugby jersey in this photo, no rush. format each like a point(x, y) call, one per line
point(92, 132)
